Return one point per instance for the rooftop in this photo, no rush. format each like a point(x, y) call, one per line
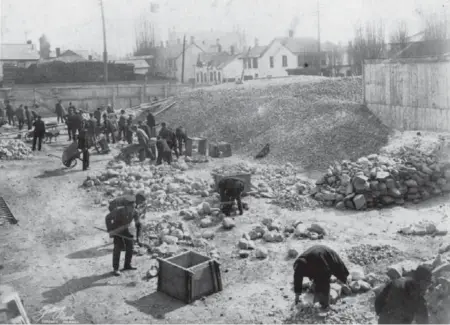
point(25, 52)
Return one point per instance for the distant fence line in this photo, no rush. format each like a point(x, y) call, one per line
point(89, 97)
point(409, 94)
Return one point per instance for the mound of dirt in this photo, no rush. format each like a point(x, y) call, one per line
point(311, 123)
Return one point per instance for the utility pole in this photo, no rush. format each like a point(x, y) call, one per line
point(182, 62)
point(318, 32)
point(105, 53)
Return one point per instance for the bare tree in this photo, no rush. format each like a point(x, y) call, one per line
point(436, 26)
point(368, 43)
point(145, 37)
point(400, 35)
point(44, 47)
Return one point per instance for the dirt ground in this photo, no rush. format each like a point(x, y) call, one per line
point(61, 265)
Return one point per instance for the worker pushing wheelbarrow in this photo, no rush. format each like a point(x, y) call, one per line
point(70, 155)
point(139, 149)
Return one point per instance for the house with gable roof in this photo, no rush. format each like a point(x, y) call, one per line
point(217, 67)
point(169, 60)
point(17, 55)
point(267, 61)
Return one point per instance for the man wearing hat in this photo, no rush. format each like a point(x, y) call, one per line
point(117, 223)
point(402, 301)
point(38, 133)
point(319, 263)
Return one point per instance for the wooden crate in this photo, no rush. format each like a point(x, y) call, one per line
point(246, 178)
point(202, 146)
point(189, 276)
point(216, 148)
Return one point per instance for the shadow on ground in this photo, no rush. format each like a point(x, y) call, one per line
point(92, 252)
point(72, 286)
point(58, 172)
point(156, 304)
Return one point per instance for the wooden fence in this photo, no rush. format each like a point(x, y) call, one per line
point(89, 97)
point(409, 94)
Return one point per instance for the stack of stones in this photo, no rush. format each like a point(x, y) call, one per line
point(377, 181)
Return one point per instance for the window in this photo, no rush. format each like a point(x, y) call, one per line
point(218, 76)
point(256, 76)
point(215, 76)
point(205, 79)
point(249, 62)
point(211, 76)
point(201, 77)
point(271, 61)
point(285, 63)
point(198, 77)
point(255, 63)
point(169, 63)
point(324, 62)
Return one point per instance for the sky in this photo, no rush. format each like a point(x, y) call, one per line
point(77, 24)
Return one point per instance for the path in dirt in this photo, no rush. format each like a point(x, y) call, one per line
point(56, 257)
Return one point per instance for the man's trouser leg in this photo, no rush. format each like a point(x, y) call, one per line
point(74, 134)
point(142, 154)
point(322, 290)
point(41, 137)
point(159, 159)
point(118, 244)
point(85, 159)
point(34, 141)
point(69, 132)
point(128, 249)
point(168, 157)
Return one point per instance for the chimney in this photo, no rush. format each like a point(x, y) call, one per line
point(90, 57)
point(192, 39)
point(161, 44)
point(29, 42)
point(219, 47)
point(291, 33)
point(58, 52)
point(232, 50)
point(178, 41)
point(167, 43)
point(256, 42)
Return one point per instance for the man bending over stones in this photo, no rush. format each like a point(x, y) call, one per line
point(230, 189)
point(319, 263)
point(402, 300)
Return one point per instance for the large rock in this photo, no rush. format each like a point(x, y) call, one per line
point(360, 183)
point(404, 268)
point(359, 201)
point(318, 229)
point(357, 273)
point(261, 253)
point(228, 223)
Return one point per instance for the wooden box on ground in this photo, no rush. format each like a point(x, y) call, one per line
point(246, 178)
point(202, 146)
point(189, 276)
point(220, 150)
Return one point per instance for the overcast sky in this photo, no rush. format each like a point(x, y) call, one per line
point(77, 24)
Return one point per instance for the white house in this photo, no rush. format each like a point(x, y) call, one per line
point(141, 66)
point(214, 68)
point(169, 60)
point(268, 61)
point(18, 55)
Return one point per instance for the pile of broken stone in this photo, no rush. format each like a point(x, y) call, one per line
point(165, 187)
point(284, 185)
point(376, 181)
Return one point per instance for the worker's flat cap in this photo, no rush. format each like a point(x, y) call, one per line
point(130, 198)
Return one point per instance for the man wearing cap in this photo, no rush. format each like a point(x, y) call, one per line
point(402, 300)
point(28, 118)
point(144, 141)
point(164, 152)
point(129, 129)
point(117, 223)
point(59, 110)
point(20, 114)
point(319, 263)
point(83, 144)
point(38, 133)
point(122, 125)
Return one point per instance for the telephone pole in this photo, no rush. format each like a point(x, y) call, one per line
point(105, 53)
point(318, 36)
point(182, 61)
